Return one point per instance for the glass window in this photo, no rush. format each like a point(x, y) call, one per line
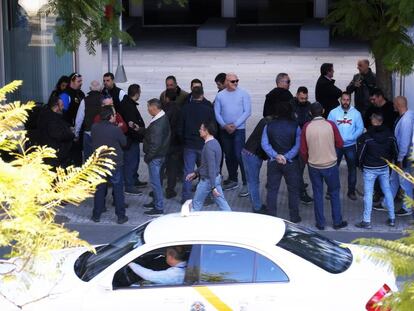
point(226, 264)
point(319, 250)
point(268, 271)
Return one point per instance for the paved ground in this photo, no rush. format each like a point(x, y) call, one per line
point(256, 55)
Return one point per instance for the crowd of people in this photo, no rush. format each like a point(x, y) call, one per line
point(190, 138)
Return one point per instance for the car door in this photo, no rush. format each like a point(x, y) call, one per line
point(237, 278)
point(140, 295)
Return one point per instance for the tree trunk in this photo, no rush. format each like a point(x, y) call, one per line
point(384, 79)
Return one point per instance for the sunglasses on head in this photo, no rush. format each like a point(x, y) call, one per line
point(234, 81)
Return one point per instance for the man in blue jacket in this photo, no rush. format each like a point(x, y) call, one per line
point(350, 126)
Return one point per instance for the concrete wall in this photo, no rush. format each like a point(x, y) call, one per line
point(228, 8)
point(89, 66)
point(320, 8)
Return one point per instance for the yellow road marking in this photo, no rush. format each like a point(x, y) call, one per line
point(212, 298)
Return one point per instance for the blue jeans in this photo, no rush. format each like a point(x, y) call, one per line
point(117, 181)
point(370, 175)
point(290, 171)
point(397, 180)
point(232, 147)
point(252, 165)
point(131, 164)
point(331, 178)
point(154, 168)
point(350, 157)
point(204, 189)
point(192, 157)
point(87, 146)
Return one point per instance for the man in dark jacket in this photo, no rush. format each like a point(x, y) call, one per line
point(377, 144)
point(198, 111)
point(381, 105)
point(110, 89)
point(362, 84)
point(107, 133)
point(281, 141)
point(302, 114)
point(278, 95)
point(135, 135)
point(326, 92)
point(253, 157)
point(56, 133)
point(173, 161)
point(171, 84)
point(156, 145)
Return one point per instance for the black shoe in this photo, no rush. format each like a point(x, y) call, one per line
point(379, 207)
point(170, 194)
point(122, 220)
point(125, 204)
point(320, 227)
point(391, 222)
point(133, 191)
point(352, 196)
point(341, 225)
point(149, 205)
point(296, 220)
point(95, 219)
point(305, 198)
point(363, 225)
point(154, 213)
point(140, 184)
point(402, 212)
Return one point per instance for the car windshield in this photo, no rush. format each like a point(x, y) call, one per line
point(315, 248)
point(88, 265)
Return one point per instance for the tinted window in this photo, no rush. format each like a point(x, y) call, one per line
point(226, 264)
point(317, 249)
point(268, 271)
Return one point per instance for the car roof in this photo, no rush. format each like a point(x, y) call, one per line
point(235, 227)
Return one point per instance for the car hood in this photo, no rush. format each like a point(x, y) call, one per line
point(48, 277)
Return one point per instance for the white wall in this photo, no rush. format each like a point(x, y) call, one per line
point(89, 66)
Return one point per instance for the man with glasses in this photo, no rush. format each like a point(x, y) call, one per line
point(326, 92)
point(232, 108)
point(278, 95)
point(350, 125)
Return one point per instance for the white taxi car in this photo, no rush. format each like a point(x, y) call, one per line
point(235, 261)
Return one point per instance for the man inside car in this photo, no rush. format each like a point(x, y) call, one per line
point(172, 276)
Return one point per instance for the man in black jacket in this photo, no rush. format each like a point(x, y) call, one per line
point(362, 84)
point(278, 95)
point(107, 133)
point(110, 89)
point(381, 105)
point(326, 93)
point(135, 135)
point(197, 112)
point(156, 145)
point(56, 133)
point(373, 147)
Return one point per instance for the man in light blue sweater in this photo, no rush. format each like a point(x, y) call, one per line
point(350, 126)
point(232, 108)
point(403, 133)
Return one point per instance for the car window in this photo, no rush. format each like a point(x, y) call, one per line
point(315, 248)
point(226, 264)
point(268, 271)
point(88, 265)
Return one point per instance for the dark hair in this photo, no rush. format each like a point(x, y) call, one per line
point(155, 102)
point(283, 110)
point(197, 92)
point(133, 90)
point(110, 75)
point(346, 93)
point(195, 81)
point(53, 101)
point(177, 252)
point(171, 78)
point(106, 112)
point(325, 68)
point(74, 75)
point(376, 92)
point(280, 76)
point(302, 89)
point(171, 95)
point(377, 116)
point(221, 77)
point(211, 127)
point(62, 79)
point(316, 109)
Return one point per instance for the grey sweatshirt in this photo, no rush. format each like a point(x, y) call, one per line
point(210, 161)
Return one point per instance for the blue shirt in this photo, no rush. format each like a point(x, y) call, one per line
point(233, 107)
point(403, 133)
point(267, 147)
point(171, 276)
point(349, 124)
